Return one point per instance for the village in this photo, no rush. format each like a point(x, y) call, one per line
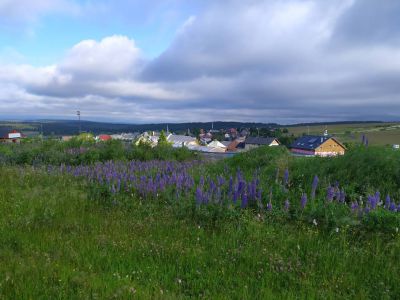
point(222, 143)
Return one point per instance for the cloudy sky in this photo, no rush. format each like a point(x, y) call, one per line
point(142, 61)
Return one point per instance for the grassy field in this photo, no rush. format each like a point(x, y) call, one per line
point(377, 133)
point(56, 243)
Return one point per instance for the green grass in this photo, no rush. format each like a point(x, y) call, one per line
point(377, 133)
point(55, 243)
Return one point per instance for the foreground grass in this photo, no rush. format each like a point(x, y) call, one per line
point(54, 243)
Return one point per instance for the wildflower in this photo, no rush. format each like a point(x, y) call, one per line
point(393, 207)
point(354, 206)
point(303, 201)
point(199, 196)
point(269, 206)
point(244, 201)
point(330, 194)
point(286, 177)
point(287, 205)
point(337, 229)
point(315, 222)
point(314, 186)
point(342, 196)
point(387, 202)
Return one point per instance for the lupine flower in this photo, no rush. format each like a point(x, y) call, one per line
point(269, 206)
point(244, 201)
point(342, 196)
point(314, 186)
point(387, 202)
point(354, 206)
point(303, 201)
point(287, 205)
point(330, 194)
point(235, 196)
point(199, 196)
point(393, 207)
point(286, 177)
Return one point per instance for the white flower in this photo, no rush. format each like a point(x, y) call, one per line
point(337, 229)
point(315, 222)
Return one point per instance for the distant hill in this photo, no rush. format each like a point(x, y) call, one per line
point(70, 127)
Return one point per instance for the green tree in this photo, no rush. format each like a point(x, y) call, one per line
point(162, 140)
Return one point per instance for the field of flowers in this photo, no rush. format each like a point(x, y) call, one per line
point(259, 225)
point(269, 192)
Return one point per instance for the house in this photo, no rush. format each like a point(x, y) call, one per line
point(217, 145)
point(254, 142)
point(313, 145)
point(12, 137)
point(126, 137)
point(104, 138)
point(207, 149)
point(178, 141)
point(236, 145)
point(66, 138)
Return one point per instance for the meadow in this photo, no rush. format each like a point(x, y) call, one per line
point(379, 134)
point(262, 224)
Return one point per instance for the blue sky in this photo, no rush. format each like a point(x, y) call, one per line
point(46, 39)
point(177, 60)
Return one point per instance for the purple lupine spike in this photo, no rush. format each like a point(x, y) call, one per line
point(303, 201)
point(354, 206)
point(363, 139)
point(378, 198)
point(330, 194)
point(342, 196)
point(235, 196)
point(244, 201)
point(230, 189)
point(269, 206)
point(199, 196)
point(259, 194)
point(393, 207)
point(387, 202)
point(286, 177)
point(287, 205)
point(314, 186)
point(372, 203)
point(201, 183)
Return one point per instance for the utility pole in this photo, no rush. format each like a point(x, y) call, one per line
point(78, 113)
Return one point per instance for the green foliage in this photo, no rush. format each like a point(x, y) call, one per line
point(79, 151)
point(162, 140)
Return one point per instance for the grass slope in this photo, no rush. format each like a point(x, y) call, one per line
point(55, 243)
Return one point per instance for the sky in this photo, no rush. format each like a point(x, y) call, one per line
point(141, 61)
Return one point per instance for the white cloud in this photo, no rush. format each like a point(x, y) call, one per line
point(256, 60)
point(114, 56)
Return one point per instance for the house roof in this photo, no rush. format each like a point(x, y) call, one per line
point(105, 137)
point(216, 144)
point(312, 142)
point(236, 144)
point(260, 140)
point(181, 139)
